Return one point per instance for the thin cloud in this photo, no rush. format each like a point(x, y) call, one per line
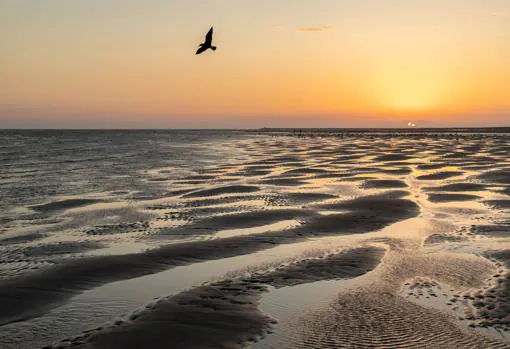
point(314, 29)
point(501, 14)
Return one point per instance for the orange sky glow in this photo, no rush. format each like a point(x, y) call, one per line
point(327, 63)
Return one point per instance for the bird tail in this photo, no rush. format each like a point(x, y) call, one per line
point(213, 48)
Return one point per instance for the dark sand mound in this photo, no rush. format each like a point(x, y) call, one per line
point(337, 175)
point(349, 264)
point(199, 177)
point(303, 198)
point(478, 168)
point(366, 203)
point(497, 230)
point(456, 187)
point(502, 256)
point(456, 155)
point(112, 229)
point(21, 239)
point(398, 164)
point(61, 248)
point(498, 204)
point(64, 205)
point(384, 184)
point(254, 171)
point(214, 316)
point(120, 192)
point(355, 179)
point(392, 157)
point(282, 160)
point(367, 213)
point(166, 179)
point(233, 189)
point(501, 176)
point(440, 175)
point(442, 238)
point(197, 213)
point(152, 195)
point(224, 314)
point(449, 197)
point(283, 182)
point(367, 169)
point(305, 171)
point(362, 221)
point(240, 220)
point(398, 172)
point(432, 166)
point(483, 160)
point(259, 167)
point(223, 200)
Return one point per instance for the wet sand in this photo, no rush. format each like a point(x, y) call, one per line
point(414, 233)
point(225, 312)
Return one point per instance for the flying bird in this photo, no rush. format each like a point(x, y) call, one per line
point(207, 44)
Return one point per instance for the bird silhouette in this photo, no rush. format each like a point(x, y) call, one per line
point(207, 44)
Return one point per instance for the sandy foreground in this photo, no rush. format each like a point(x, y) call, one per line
point(361, 241)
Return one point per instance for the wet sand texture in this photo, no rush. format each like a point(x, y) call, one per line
point(384, 184)
point(32, 295)
point(457, 187)
point(64, 205)
point(367, 213)
point(384, 320)
point(234, 189)
point(224, 314)
point(287, 189)
point(501, 176)
point(449, 197)
point(439, 175)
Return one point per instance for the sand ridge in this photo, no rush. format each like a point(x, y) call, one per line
point(225, 312)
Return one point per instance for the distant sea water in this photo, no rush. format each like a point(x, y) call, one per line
point(36, 165)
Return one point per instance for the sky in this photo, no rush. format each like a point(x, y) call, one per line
point(279, 63)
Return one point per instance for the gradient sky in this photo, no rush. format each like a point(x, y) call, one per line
point(293, 63)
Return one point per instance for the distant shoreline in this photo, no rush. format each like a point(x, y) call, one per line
point(396, 130)
point(282, 129)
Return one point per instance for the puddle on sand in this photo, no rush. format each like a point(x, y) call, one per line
point(288, 304)
point(111, 302)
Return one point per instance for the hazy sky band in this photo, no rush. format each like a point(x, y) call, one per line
point(124, 63)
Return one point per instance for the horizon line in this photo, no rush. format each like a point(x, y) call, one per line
point(506, 128)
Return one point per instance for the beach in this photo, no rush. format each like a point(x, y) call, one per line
point(254, 239)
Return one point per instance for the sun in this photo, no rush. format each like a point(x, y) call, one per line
point(410, 100)
point(411, 91)
point(412, 96)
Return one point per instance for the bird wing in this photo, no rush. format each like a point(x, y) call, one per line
point(201, 49)
point(208, 37)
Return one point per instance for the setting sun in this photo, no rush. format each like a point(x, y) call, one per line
point(412, 95)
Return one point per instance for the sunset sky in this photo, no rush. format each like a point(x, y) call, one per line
point(279, 63)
